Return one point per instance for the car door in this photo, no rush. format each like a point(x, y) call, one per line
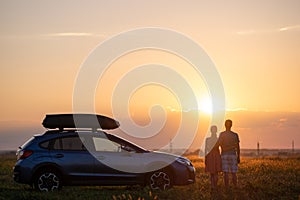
point(114, 163)
point(74, 160)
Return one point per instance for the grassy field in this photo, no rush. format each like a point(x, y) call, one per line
point(263, 178)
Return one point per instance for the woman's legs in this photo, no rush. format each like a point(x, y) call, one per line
point(214, 180)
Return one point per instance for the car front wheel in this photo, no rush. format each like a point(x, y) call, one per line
point(160, 180)
point(47, 180)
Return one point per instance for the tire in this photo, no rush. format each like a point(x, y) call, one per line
point(160, 180)
point(47, 180)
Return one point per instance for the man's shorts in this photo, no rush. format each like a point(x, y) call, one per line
point(229, 163)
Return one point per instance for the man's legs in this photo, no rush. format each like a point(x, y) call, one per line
point(234, 179)
point(229, 165)
point(225, 169)
point(226, 179)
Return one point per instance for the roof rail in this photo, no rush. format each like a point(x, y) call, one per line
point(71, 130)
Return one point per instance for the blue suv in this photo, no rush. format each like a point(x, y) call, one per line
point(71, 154)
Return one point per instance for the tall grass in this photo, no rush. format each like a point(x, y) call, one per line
point(259, 178)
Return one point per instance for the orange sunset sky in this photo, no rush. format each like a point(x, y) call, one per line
point(255, 46)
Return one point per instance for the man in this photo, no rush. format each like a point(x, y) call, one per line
point(230, 147)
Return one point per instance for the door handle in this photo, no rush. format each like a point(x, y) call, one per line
point(59, 155)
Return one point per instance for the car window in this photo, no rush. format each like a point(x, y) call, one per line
point(103, 144)
point(125, 145)
point(45, 145)
point(68, 143)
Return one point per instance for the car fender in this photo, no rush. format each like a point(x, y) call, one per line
point(155, 166)
point(45, 165)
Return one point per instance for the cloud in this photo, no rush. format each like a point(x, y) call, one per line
point(263, 119)
point(73, 34)
point(253, 32)
point(236, 109)
point(266, 31)
point(283, 120)
point(52, 35)
point(289, 28)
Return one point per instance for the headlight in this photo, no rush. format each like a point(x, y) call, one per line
point(184, 161)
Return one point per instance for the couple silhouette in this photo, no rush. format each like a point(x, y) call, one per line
point(222, 155)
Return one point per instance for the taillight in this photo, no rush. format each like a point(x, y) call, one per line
point(24, 154)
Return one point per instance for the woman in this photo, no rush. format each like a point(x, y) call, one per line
point(212, 157)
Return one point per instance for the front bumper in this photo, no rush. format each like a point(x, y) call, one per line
point(184, 175)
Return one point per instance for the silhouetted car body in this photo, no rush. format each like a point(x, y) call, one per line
point(72, 157)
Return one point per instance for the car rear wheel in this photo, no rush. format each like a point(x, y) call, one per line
point(160, 180)
point(47, 180)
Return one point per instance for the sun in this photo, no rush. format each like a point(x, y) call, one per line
point(205, 105)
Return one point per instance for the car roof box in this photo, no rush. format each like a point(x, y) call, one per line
point(77, 121)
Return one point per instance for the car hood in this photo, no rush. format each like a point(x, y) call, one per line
point(156, 160)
